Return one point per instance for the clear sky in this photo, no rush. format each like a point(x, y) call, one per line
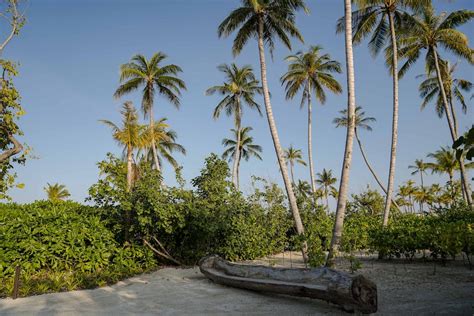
point(70, 52)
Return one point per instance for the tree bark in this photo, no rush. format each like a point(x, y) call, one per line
point(454, 135)
point(129, 168)
point(17, 148)
point(235, 178)
point(393, 149)
point(291, 171)
point(310, 141)
point(346, 166)
point(153, 144)
point(276, 139)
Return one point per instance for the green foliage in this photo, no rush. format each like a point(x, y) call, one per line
point(464, 145)
point(62, 246)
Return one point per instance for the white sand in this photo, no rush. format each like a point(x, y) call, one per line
point(408, 289)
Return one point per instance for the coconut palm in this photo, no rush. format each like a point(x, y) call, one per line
point(166, 144)
point(419, 167)
point(267, 20)
point(428, 31)
point(56, 192)
point(346, 164)
point(381, 19)
point(154, 78)
point(406, 193)
point(311, 72)
point(294, 156)
point(326, 180)
point(247, 149)
point(240, 86)
point(454, 87)
point(303, 189)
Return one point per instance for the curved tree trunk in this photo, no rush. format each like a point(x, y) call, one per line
point(310, 141)
point(153, 145)
point(393, 150)
point(17, 148)
point(276, 139)
point(235, 177)
point(346, 166)
point(452, 129)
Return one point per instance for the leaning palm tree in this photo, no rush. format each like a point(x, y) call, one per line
point(454, 88)
point(166, 144)
point(154, 78)
point(246, 148)
point(326, 180)
point(311, 72)
point(266, 20)
point(130, 135)
point(240, 86)
point(428, 31)
point(56, 192)
point(382, 19)
point(294, 156)
point(419, 167)
point(346, 164)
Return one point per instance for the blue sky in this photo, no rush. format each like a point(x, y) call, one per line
point(70, 52)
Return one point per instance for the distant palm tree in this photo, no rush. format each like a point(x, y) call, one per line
point(246, 150)
point(419, 167)
point(429, 90)
point(303, 189)
point(266, 20)
point(427, 32)
point(240, 86)
point(56, 192)
point(154, 79)
point(130, 135)
point(311, 72)
point(294, 156)
point(407, 191)
point(166, 144)
point(326, 180)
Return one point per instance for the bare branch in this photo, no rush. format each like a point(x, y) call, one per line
point(15, 21)
point(17, 147)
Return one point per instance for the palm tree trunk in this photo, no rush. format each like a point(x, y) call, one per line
point(237, 151)
point(346, 166)
point(393, 151)
point(291, 172)
point(455, 122)
point(276, 140)
point(129, 168)
point(310, 140)
point(238, 170)
point(362, 151)
point(452, 129)
point(153, 145)
point(327, 199)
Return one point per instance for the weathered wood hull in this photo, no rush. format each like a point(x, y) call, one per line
point(351, 292)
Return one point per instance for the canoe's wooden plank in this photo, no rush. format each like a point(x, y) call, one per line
point(352, 292)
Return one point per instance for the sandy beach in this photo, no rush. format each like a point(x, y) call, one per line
point(403, 288)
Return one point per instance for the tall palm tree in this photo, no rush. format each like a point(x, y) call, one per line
point(166, 144)
point(382, 18)
point(56, 192)
point(326, 180)
point(240, 85)
point(419, 167)
point(311, 72)
point(267, 20)
point(429, 90)
point(346, 164)
point(405, 192)
point(294, 156)
point(130, 135)
point(154, 78)
point(428, 31)
point(247, 149)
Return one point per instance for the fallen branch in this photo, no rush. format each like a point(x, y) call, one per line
point(164, 255)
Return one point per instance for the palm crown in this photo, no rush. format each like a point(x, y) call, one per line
point(56, 192)
point(247, 147)
point(361, 121)
point(293, 156)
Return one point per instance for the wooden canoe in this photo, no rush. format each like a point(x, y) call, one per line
point(351, 292)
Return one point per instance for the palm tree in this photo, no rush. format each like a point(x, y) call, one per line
point(247, 149)
point(326, 181)
point(346, 165)
point(311, 72)
point(429, 90)
point(166, 144)
point(428, 31)
point(407, 191)
point(240, 85)
point(267, 20)
point(131, 135)
point(419, 167)
point(372, 18)
point(153, 78)
point(56, 192)
point(303, 189)
point(293, 156)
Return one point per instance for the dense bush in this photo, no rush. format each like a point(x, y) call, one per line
point(65, 243)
